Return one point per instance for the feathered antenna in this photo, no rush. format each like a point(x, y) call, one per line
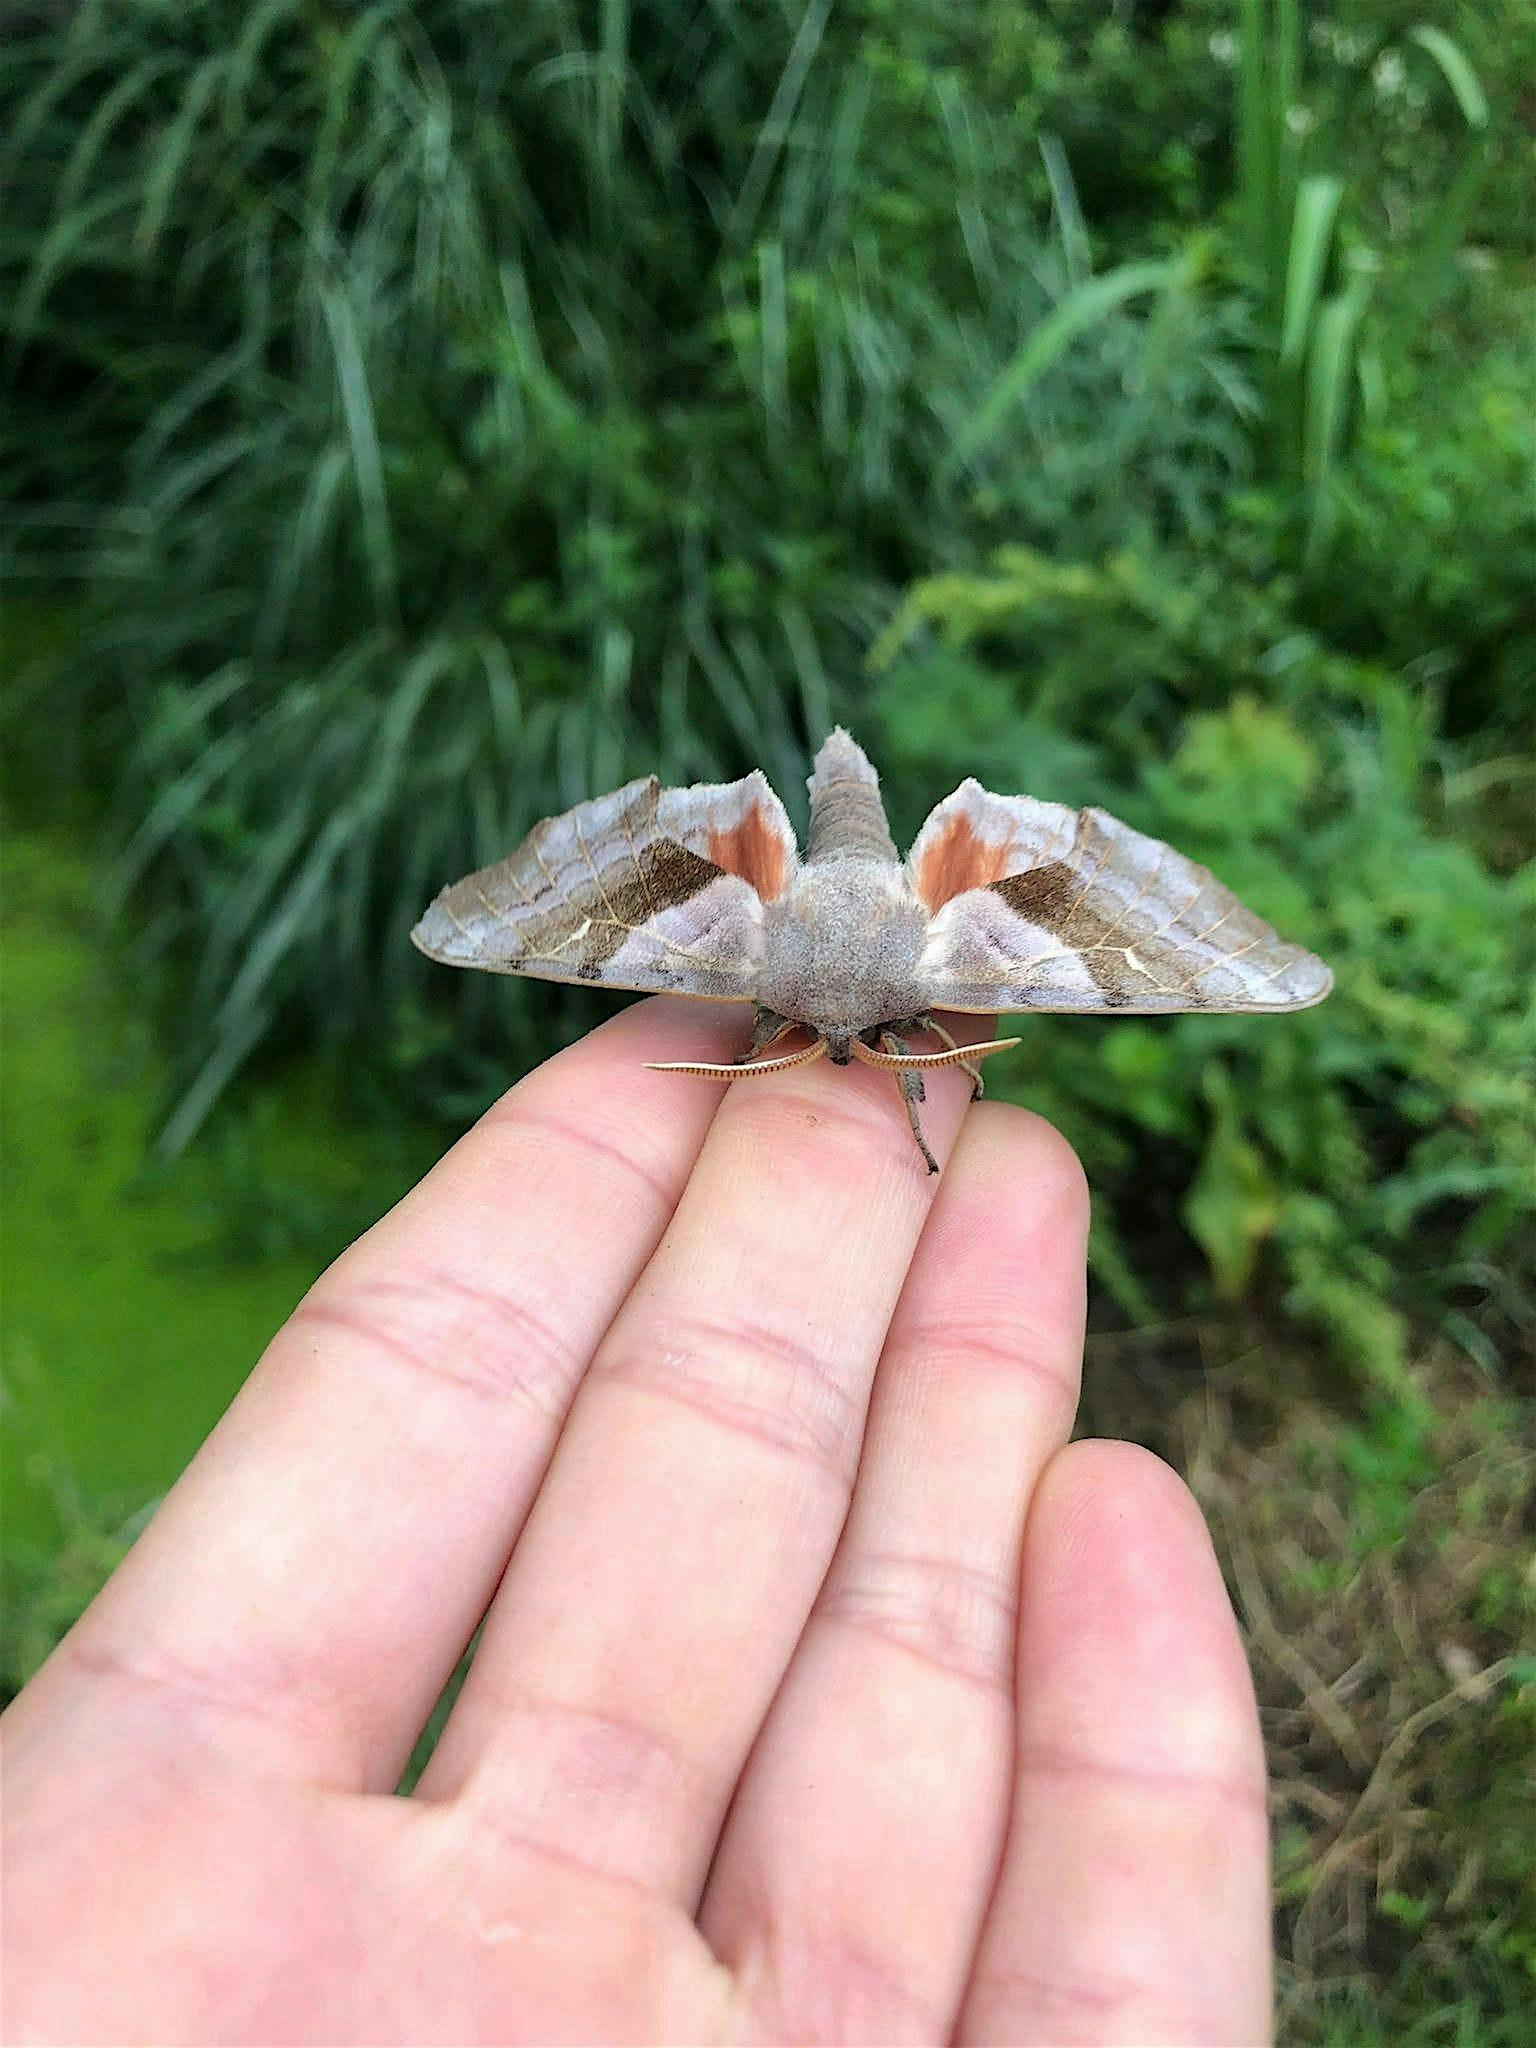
point(957, 1056)
point(745, 1070)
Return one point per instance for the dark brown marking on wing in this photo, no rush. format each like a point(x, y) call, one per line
point(673, 873)
point(1060, 898)
point(1052, 898)
point(579, 920)
point(1044, 895)
point(624, 895)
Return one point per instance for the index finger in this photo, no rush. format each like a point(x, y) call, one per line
point(309, 1583)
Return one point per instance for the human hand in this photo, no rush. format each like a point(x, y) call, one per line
point(761, 1743)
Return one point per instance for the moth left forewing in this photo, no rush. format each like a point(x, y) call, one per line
point(620, 892)
point(1098, 918)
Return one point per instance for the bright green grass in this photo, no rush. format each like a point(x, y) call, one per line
point(138, 1294)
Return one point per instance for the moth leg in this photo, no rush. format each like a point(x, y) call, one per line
point(767, 1029)
point(910, 1081)
point(978, 1086)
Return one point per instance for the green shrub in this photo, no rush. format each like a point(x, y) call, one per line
point(1379, 1153)
point(1436, 531)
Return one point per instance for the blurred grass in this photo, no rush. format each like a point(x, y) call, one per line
point(1387, 1590)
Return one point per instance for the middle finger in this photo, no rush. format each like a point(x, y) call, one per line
point(687, 1520)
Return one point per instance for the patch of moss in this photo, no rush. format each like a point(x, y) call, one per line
point(138, 1290)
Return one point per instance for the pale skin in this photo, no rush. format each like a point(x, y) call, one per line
point(825, 1695)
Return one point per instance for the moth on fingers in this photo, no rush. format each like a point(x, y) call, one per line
point(1004, 903)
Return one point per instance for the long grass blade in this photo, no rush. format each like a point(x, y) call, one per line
point(1067, 209)
point(774, 132)
point(1317, 204)
point(1255, 141)
point(171, 153)
point(1457, 71)
point(363, 439)
point(1081, 309)
point(1329, 382)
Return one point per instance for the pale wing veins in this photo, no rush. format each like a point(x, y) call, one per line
point(647, 926)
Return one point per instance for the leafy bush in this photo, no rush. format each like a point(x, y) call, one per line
point(1446, 471)
point(1382, 1150)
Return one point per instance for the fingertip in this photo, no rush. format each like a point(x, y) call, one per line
point(1099, 1486)
point(1125, 1600)
point(1133, 1902)
point(1005, 1143)
point(1013, 1203)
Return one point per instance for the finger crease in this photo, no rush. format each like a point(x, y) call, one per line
point(191, 1691)
point(1041, 1760)
point(559, 1773)
point(480, 1341)
point(514, 1116)
point(958, 1343)
point(757, 1382)
point(545, 1849)
point(820, 1986)
point(957, 1618)
point(1136, 2010)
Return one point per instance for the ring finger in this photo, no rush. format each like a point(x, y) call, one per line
point(855, 1869)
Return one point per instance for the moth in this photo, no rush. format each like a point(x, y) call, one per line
point(1004, 903)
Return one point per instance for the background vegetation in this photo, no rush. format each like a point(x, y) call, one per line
point(421, 416)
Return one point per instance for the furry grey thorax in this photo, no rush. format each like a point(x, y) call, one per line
point(841, 948)
point(841, 944)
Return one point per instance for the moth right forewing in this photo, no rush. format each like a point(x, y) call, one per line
point(602, 894)
point(738, 826)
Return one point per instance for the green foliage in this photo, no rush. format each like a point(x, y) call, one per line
point(1381, 1151)
point(137, 1293)
point(49, 1583)
point(467, 410)
point(1317, 278)
point(1446, 470)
